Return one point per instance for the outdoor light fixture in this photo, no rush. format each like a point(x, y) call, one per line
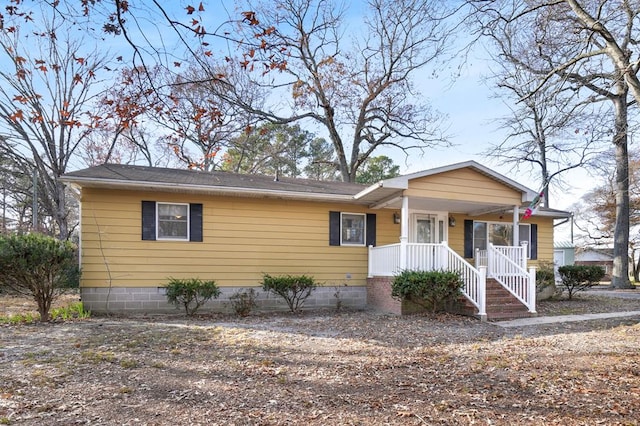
point(452, 221)
point(396, 218)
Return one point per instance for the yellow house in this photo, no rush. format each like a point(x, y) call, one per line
point(142, 225)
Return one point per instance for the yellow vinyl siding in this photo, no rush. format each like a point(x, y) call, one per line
point(545, 233)
point(463, 185)
point(243, 239)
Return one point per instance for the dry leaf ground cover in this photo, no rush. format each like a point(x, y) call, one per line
point(324, 368)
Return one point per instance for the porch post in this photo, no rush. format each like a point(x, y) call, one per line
point(404, 232)
point(532, 290)
point(482, 293)
point(516, 228)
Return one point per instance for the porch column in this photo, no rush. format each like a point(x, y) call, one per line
point(404, 232)
point(516, 228)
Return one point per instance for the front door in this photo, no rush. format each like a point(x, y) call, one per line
point(427, 229)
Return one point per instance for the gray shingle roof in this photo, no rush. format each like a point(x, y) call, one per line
point(138, 176)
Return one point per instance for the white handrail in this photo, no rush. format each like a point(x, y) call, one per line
point(475, 283)
point(511, 275)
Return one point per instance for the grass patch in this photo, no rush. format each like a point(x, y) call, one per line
point(96, 357)
point(64, 313)
point(73, 311)
point(26, 318)
point(129, 363)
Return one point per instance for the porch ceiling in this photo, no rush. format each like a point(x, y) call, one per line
point(453, 206)
point(391, 198)
point(464, 207)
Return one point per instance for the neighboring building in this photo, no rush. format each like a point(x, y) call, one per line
point(596, 257)
point(564, 253)
point(142, 225)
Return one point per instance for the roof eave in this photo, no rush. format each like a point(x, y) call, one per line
point(394, 183)
point(204, 189)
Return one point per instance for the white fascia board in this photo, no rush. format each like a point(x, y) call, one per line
point(368, 190)
point(127, 184)
point(394, 183)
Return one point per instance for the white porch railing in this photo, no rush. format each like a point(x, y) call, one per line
point(516, 254)
point(387, 261)
point(508, 266)
point(384, 261)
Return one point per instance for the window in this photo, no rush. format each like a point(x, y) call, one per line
point(173, 221)
point(499, 234)
point(352, 229)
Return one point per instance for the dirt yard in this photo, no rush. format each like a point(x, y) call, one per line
point(324, 368)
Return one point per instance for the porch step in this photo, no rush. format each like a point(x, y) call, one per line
point(500, 304)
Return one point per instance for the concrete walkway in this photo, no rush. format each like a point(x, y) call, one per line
point(523, 322)
point(602, 291)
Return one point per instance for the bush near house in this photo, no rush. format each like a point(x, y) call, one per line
point(579, 277)
point(294, 289)
point(191, 293)
point(430, 289)
point(243, 302)
point(38, 266)
point(545, 276)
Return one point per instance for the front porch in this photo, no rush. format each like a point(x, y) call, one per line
point(464, 218)
point(504, 268)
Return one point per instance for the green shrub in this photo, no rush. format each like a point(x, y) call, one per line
point(294, 289)
point(38, 266)
point(430, 289)
point(545, 276)
point(579, 277)
point(191, 293)
point(243, 302)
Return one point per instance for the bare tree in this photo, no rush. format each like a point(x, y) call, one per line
point(200, 121)
point(361, 94)
point(549, 128)
point(587, 44)
point(45, 98)
point(595, 213)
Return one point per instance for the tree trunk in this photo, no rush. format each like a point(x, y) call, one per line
point(61, 216)
point(620, 275)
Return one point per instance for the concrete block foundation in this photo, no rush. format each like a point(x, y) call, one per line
point(154, 300)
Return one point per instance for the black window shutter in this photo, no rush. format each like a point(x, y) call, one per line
point(334, 228)
point(468, 239)
point(195, 222)
point(371, 229)
point(148, 220)
point(534, 241)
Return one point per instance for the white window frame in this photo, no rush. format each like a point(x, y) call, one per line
point(160, 238)
point(490, 222)
point(364, 229)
